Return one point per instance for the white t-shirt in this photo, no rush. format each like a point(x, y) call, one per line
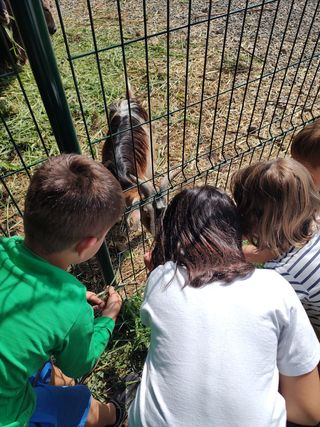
point(301, 267)
point(216, 351)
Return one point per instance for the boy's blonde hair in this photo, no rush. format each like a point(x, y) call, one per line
point(70, 197)
point(278, 203)
point(305, 146)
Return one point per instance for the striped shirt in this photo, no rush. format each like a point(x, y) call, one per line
point(301, 267)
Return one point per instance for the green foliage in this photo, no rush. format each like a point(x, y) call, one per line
point(15, 45)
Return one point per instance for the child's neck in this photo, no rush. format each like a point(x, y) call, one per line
point(59, 259)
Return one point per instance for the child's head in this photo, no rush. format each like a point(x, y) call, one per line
point(70, 198)
point(305, 148)
point(277, 202)
point(201, 231)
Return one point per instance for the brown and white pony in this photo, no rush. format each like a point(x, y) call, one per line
point(128, 156)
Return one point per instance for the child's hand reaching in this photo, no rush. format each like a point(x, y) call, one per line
point(95, 301)
point(113, 306)
point(147, 258)
point(252, 254)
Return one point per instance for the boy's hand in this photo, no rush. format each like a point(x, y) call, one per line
point(94, 301)
point(113, 306)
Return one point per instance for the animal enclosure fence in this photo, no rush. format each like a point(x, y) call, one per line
point(224, 83)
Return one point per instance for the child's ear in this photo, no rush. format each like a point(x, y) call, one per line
point(84, 245)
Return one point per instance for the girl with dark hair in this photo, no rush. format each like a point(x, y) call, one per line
point(221, 331)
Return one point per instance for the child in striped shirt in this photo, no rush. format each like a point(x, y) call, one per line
point(280, 206)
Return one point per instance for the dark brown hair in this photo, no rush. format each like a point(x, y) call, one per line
point(70, 197)
point(278, 203)
point(201, 231)
point(305, 146)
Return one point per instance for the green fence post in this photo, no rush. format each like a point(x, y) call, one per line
point(33, 29)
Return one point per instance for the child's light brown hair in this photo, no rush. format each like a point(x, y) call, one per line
point(305, 146)
point(278, 203)
point(70, 197)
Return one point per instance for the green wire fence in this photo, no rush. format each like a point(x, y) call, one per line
point(225, 83)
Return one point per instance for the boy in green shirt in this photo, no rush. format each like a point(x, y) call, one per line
point(71, 203)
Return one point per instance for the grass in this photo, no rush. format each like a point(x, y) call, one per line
point(91, 125)
point(125, 353)
point(16, 113)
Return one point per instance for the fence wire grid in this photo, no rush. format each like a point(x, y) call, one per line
point(225, 83)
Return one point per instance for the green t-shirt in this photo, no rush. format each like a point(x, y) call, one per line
point(42, 309)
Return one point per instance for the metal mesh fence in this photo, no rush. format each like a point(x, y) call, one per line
point(225, 83)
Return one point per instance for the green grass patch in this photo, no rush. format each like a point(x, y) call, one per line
point(126, 352)
point(96, 89)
